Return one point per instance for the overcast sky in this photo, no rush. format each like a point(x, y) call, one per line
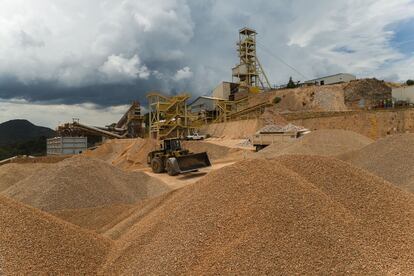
point(61, 59)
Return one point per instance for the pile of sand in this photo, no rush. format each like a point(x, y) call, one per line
point(325, 142)
point(41, 159)
point(83, 182)
point(127, 154)
point(35, 243)
point(12, 173)
point(98, 219)
point(392, 158)
point(110, 149)
point(234, 129)
point(297, 215)
point(135, 156)
point(215, 152)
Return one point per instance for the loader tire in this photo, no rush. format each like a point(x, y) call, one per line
point(156, 165)
point(170, 168)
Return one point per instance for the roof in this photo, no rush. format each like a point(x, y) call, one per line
point(247, 31)
point(331, 76)
point(208, 98)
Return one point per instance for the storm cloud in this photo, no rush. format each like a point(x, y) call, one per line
point(108, 53)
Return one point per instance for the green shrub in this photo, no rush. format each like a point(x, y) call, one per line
point(277, 100)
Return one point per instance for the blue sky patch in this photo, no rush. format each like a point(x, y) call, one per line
point(403, 39)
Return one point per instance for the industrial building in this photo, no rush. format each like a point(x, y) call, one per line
point(66, 145)
point(403, 94)
point(224, 90)
point(333, 79)
point(131, 125)
point(203, 104)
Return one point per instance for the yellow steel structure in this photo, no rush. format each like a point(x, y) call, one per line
point(168, 116)
point(224, 108)
point(249, 73)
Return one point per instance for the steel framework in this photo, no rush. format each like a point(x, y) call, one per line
point(249, 73)
point(168, 115)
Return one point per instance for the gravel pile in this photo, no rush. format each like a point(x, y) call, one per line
point(135, 155)
point(12, 173)
point(35, 243)
point(215, 152)
point(97, 219)
point(325, 142)
point(297, 215)
point(127, 154)
point(110, 150)
point(392, 158)
point(83, 182)
point(234, 129)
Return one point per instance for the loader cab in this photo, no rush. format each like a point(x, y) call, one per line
point(172, 145)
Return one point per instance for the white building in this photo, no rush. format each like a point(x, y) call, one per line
point(338, 78)
point(66, 145)
point(405, 93)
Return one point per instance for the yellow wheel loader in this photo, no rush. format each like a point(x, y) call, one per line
point(173, 159)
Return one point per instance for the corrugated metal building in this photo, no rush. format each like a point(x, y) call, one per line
point(333, 79)
point(405, 93)
point(66, 145)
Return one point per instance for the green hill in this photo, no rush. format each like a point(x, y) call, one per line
point(21, 137)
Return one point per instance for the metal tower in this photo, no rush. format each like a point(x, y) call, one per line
point(249, 73)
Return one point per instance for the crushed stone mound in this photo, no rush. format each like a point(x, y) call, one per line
point(298, 215)
point(41, 159)
point(215, 152)
point(83, 182)
point(12, 173)
point(98, 218)
point(233, 130)
point(110, 149)
point(391, 158)
point(35, 243)
point(325, 142)
point(127, 154)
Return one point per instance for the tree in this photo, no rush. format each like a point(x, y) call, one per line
point(291, 84)
point(410, 82)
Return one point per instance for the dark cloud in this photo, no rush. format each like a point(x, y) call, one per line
point(101, 94)
point(112, 52)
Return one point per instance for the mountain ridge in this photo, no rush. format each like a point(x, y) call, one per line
point(21, 130)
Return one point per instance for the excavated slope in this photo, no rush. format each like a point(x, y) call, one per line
point(83, 183)
point(298, 215)
point(392, 158)
point(35, 243)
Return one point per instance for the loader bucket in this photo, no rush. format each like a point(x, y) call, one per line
point(193, 162)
